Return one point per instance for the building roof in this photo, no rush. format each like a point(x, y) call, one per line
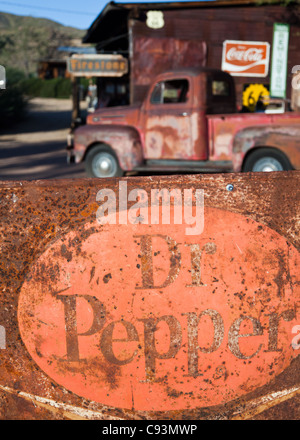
point(111, 23)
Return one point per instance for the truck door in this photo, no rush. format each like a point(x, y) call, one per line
point(167, 120)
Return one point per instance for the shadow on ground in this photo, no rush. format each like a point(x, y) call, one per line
point(35, 148)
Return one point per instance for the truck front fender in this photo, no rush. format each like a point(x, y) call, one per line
point(125, 142)
point(284, 138)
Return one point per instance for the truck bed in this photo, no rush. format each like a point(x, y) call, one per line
point(223, 128)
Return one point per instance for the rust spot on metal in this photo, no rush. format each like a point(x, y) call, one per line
point(65, 253)
point(106, 278)
point(92, 273)
point(90, 210)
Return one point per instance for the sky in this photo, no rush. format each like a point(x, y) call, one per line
point(75, 13)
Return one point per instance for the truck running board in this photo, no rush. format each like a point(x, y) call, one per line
point(185, 166)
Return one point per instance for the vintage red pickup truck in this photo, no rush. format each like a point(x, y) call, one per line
point(188, 122)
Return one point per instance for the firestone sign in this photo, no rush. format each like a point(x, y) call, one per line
point(97, 65)
point(162, 320)
point(243, 58)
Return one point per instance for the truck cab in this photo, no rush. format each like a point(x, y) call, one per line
point(173, 115)
point(187, 122)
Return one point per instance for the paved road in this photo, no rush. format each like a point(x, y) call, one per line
point(36, 147)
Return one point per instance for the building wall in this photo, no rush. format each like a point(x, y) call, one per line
point(212, 26)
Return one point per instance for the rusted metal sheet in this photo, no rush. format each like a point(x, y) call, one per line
point(113, 309)
point(153, 56)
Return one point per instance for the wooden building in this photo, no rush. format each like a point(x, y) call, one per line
point(156, 37)
point(48, 69)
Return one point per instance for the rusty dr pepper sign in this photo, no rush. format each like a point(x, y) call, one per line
point(143, 318)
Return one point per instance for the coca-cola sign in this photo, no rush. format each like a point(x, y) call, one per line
point(244, 58)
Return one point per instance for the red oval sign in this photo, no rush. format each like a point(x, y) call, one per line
point(146, 317)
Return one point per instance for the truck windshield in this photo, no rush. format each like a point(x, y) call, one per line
point(171, 91)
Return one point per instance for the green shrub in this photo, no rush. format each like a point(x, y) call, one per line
point(14, 76)
point(48, 89)
point(63, 88)
point(32, 86)
point(59, 88)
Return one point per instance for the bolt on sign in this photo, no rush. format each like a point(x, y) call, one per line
point(244, 58)
point(97, 65)
point(107, 299)
point(279, 60)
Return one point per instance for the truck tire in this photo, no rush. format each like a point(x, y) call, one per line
point(101, 162)
point(265, 160)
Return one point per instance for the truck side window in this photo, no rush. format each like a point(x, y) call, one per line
point(170, 92)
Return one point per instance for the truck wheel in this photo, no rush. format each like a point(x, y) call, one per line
point(101, 162)
point(266, 160)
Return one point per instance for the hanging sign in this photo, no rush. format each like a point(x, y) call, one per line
point(97, 65)
point(244, 58)
point(279, 60)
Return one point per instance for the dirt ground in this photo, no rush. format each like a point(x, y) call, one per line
point(36, 147)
